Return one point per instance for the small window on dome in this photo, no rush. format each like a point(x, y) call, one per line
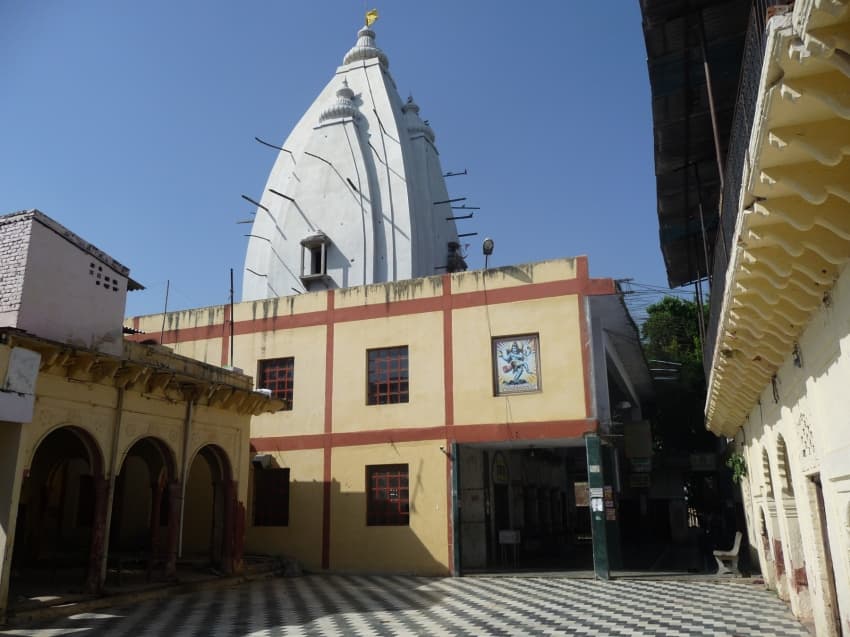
point(314, 256)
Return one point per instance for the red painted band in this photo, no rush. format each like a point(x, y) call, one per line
point(225, 337)
point(495, 432)
point(531, 291)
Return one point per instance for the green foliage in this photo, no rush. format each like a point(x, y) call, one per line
point(671, 334)
point(738, 464)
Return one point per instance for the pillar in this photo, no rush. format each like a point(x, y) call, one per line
point(175, 509)
point(596, 485)
point(156, 505)
point(97, 552)
point(11, 477)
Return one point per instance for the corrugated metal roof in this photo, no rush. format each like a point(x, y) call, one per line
point(685, 159)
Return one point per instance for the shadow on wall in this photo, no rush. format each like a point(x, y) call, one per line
point(514, 272)
point(354, 546)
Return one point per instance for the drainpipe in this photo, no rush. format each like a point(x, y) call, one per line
point(711, 108)
point(113, 476)
point(187, 429)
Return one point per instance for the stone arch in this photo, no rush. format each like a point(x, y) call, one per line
point(766, 548)
point(783, 466)
point(791, 547)
point(59, 528)
point(93, 451)
point(209, 508)
point(767, 480)
point(165, 452)
point(145, 511)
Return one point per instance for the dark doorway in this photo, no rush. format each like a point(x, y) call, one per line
point(144, 520)
point(206, 514)
point(519, 509)
point(56, 515)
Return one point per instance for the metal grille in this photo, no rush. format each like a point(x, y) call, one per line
point(736, 159)
point(271, 497)
point(388, 495)
point(278, 374)
point(388, 376)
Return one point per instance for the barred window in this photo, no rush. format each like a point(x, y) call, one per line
point(387, 502)
point(388, 375)
point(278, 374)
point(271, 497)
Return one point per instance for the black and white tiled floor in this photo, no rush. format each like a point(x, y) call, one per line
point(387, 605)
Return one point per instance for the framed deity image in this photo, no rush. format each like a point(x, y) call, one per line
point(516, 364)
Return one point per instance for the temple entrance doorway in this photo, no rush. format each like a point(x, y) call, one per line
point(523, 507)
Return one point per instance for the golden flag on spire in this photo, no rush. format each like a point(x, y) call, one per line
point(371, 16)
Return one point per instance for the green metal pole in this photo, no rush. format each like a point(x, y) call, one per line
point(596, 484)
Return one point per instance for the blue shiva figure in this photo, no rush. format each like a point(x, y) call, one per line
point(516, 361)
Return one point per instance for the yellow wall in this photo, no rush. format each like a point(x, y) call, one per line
point(421, 547)
point(422, 333)
point(284, 306)
point(556, 320)
point(514, 275)
point(69, 397)
point(303, 537)
point(198, 515)
point(307, 346)
point(383, 293)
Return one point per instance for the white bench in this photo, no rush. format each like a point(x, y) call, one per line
point(730, 556)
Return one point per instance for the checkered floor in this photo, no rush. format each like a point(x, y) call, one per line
point(386, 605)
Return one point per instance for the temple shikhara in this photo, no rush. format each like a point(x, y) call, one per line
point(357, 194)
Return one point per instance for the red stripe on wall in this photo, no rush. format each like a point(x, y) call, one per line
point(326, 442)
point(582, 269)
point(225, 337)
point(527, 292)
point(487, 432)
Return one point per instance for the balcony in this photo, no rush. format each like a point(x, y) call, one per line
point(784, 233)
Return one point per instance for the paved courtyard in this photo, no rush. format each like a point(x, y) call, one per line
point(387, 605)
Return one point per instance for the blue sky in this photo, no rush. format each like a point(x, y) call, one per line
point(133, 124)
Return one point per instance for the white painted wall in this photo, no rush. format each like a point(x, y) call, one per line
point(812, 398)
point(382, 229)
point(66, 296)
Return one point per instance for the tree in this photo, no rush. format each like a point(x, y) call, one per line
point(671, 334)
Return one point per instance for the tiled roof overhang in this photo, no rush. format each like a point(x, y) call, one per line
point(793, 231)
point(685, 158)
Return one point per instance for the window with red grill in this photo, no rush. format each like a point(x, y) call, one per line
point(278, 374)
point(387, 502)
point(271, 497)
point(388, 375)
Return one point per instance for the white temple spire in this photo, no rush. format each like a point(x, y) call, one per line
point(362, 166)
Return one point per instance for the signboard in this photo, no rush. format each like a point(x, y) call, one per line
point(582, 495)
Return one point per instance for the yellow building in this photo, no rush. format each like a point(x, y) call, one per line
point(113, 455)
point(429, 425)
